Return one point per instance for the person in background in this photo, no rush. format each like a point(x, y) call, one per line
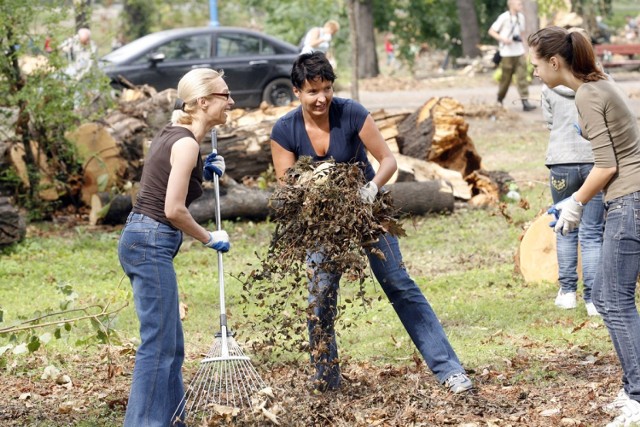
point(81, 53)
point(508, 30)
point(570, 159)
point(566, 58)
point(325, 127)
point(389, 49)
point(171, 179)
point(318, 39)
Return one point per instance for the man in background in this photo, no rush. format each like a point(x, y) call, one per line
point(508, 30)
point(81, 52)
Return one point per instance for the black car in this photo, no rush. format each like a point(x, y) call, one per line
point(256, 66)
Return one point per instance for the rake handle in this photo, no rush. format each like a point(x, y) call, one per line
point(216, 192)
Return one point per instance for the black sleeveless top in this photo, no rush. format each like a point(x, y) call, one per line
point(155, 175)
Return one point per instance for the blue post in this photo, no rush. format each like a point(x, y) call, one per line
point(213, 12)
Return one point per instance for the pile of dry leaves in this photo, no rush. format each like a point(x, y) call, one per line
point(317, 208)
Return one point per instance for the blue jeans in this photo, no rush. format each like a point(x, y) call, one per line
point(146, 251)
point(614, 290)
point(415, 313)
point(564, 181)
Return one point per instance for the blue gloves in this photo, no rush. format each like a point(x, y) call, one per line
point(568, 213)
point(214, 163)
point(218, 240)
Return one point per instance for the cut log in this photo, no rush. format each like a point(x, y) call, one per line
point(536, 258)
point(109, 209)
point(12, 225)
point(103, 164)
point(236, 201)
point(438, 132)
point(420, 198)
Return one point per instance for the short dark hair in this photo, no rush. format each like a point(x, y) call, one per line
point(311, 66)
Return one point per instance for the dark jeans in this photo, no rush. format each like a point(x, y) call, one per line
point(146, 251)
point(614, 290)
point(414, 311)
point(564, 181)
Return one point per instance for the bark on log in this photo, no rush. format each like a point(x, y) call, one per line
point(420, 198)
point(536, 258)
point(110, 209)
point(236, 201)
point(12, 225)
point(438, 132)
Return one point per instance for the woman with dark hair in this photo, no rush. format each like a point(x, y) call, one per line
point(325, 127)
point(171, 179)
point(566, 58)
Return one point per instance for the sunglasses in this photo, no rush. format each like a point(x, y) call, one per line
point(226, 95)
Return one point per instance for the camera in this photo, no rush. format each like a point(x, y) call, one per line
point(517, 38)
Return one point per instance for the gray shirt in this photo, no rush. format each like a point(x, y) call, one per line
point(566, 144)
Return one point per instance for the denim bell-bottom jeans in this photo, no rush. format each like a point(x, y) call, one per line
point(614, 290)
point(146, 251)
point(564, 181)
point(415, 313)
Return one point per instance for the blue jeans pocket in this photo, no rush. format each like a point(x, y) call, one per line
point(133, 245)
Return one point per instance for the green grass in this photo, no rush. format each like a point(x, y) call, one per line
point(463, 262)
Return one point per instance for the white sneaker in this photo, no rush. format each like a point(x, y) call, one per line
point(614, 407)
point(591, 309)
point(566, 300)
point(630, 415)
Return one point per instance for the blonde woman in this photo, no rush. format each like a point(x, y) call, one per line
point(171, 179)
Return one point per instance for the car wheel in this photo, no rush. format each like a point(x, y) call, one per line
point(279, 92)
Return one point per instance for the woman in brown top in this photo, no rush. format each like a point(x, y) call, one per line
point(171, 179)
point(563, 58)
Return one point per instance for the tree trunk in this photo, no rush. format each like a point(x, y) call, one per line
point(438, 132)
point(531, 18)
point(536, 258)
point(110, 209)
point(367, 58)
point(420, 198)
point(12, 225)
point(469, 30)
point(353, 37)
point(236, 201)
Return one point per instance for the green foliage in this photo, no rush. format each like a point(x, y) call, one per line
point(432, 22)
point(547, 7)
point(24, 335)
point(45, 103)
point(137, 18)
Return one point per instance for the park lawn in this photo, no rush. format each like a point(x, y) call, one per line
point(464, 263)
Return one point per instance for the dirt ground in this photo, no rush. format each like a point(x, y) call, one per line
point(372, 395)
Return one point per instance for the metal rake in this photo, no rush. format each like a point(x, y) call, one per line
point(226, 377)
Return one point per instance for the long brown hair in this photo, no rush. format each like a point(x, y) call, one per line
point(573, 47)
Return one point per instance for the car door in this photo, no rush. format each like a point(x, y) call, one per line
point(181, 54)
point(247, 61)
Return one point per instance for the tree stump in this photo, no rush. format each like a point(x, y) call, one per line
point(537, 258)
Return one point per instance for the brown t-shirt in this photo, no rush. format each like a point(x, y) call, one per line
point(155, 175)
point(612, 128)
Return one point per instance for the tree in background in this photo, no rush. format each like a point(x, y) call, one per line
point(137, 18)
point(39, 103)
point(469, 30)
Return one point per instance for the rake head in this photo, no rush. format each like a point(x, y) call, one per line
point(225, 382)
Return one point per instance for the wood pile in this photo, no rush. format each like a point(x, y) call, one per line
point(432, 146)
